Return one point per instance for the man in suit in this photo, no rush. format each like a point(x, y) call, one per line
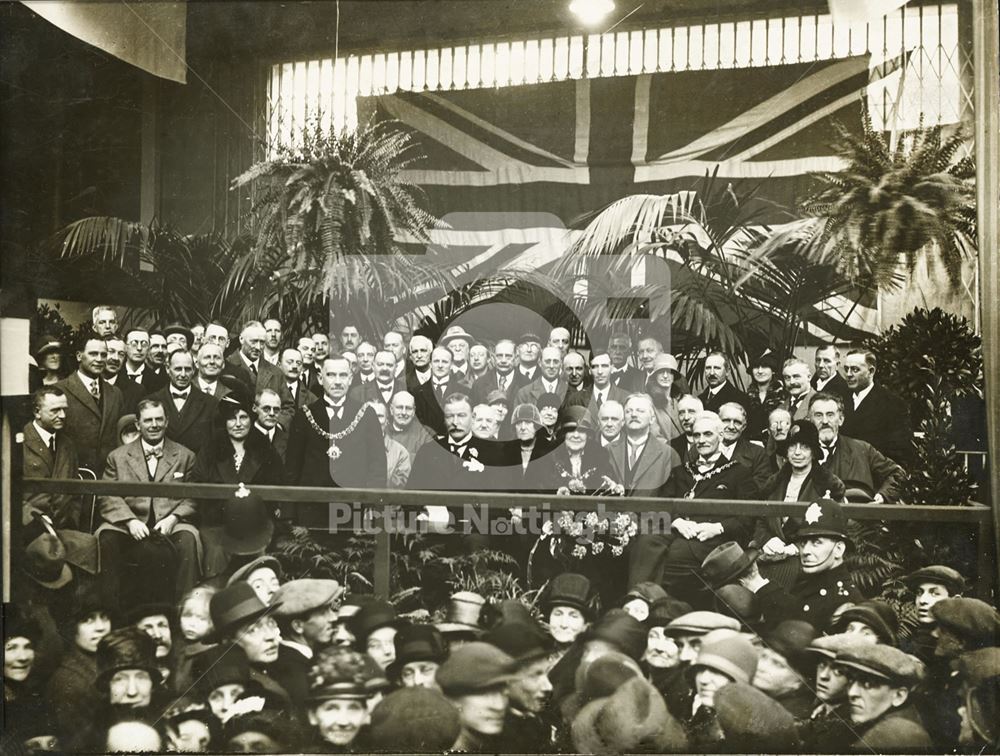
point(350, 338)
point(430, 396)
point(323, 447)
point(393, 342)
point(795, 375)
point(134, 369)
point(709, 475)
point(559, 338)
point(267, 405)
point(859, 464)
point(827, 376)
point(218, 334)
point(459, 342)
point(132, 519)
point(385, 384)
point(190, 412)
point(103, 321)
point(257, 373)
point(155, 374)
point(272, 340)
point(418, 364)
point(93, 406)
point(528, 349)
point(649, 349)
point(642, 464)
point(49, 453)
point(366, 363)
point(873, 413)
point(602, 389)
point(114, 370)
point(720, 390)
point(735, 446)
point(611, 421)
point(624, 376)
point(688, 408)
point(577, 384)
point(309, 372)
point(503, 376)
point(211, 363)
point(291, 367)
point(401, 425)
point(551, 381)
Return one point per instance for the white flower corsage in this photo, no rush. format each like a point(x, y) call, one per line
point(473, 465)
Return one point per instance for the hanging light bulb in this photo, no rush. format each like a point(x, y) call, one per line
point(591, 12)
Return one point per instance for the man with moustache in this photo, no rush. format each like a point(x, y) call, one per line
point(459, 342)
point(211, 362)
point(386, 383)
point(602, 389)
point(873, 413)
point(708, 475)
point(93, 406)
point(104, 321)
point(624, 376)
point(827, 376)
point(857, 463)
point(429, 398)
point(155, 620)
point(291, 368)
point(418, 366)
point(336, 440)
point(735, 446)
point(551, 380)
point(267, 405)
point(528, 350)
point(350, 338)
point(49, 453)
point(401, 426)
point(190, 412)
point(156, 358)
point(393, 342)
point(321, 347)
point(611, 420)
point(688, 408)
point(503, 376)
point(257, 373)
point(272, 340)
point(720, 390)
point(113, 373)
point(795, 376)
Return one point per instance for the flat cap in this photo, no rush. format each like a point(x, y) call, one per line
point(974, 621)
point(883, 661)
point(305, 595)
point(473, 667)
point(753, 722)
point(979, 666)
point(700, 623)
point(831, 645)
point(937, 573)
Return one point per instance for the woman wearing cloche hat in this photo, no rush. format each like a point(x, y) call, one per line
point(666, 385)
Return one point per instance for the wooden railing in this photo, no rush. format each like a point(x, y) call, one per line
point(976, 516)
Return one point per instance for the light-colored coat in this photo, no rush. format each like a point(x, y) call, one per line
point(128, 463)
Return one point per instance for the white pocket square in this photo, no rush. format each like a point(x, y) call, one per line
point(178, 475)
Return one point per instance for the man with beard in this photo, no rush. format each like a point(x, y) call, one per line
point(709, 475)
point(857, 463)
point(524, 730)
point(418, 367)
point(795, 377)
point(248, 365)
point(688, 408)
point(306, 610)
point(528, 349)
point(393, 342)
point(401, 426)
point(551, 381)
point(429, 398)
point(824, 584)
point(735, 446)
point(827, 376)
point(190, 413)
point(873, 413)
point(385, 384)
point(49, 453)
point(624, 376)
point(93, 406)
point(267, 405)
point(155, 621)
point(291, 367)
point(611, 420)
point(503, 376)
point(720, 390)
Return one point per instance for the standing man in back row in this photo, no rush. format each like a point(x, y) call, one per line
point(248, 365)
point(720, 389)
point(873, 413)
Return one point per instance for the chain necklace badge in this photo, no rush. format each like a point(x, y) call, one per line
point(699, 477)
point(334, 452)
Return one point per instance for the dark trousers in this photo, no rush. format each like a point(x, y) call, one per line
point(154, 569)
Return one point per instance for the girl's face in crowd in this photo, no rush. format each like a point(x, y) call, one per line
point(90, 630)
point(195, 619)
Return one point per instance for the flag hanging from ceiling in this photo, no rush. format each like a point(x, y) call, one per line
point(149, 35)
point(514, 169)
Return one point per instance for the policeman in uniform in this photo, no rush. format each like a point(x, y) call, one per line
point(824, 583)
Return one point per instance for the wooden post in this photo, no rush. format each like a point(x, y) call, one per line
point(6, 497)
point(987, 99)
point(383, 580)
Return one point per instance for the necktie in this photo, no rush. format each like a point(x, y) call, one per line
point(293, 388)
point(633, 454)
point(253, 369)
point(600, 400)
point(52, 444)
point(441, 387)
point(95, 390)
point(827, 451)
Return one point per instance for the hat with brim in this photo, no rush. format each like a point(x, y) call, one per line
point(801, 432)
point(621, 630)
point(939, 574)
point(235, 606)
point(247, 525)
point(256, 564)
point(882, 661)
point(464, 612)
point(569, 589)
point(175, 328)
point(823, 517)
point(455, 332)
point(45, 562)
point(527, 413)
point(877, 615)
point(417, 643)
point(664, 362)
point(374, 616)
point(767, 359)
point(726, 562)
point(548, 400)
point(240, 397)
point(475, 667)
point(576, 418)
point(17, 623)
point(304, 596)
point(828, 646)
point(523, 642)
point(48, 347)
point(732, 655)
point(141, 611)
point(127, 422)
point(124, 649)
point(633, 719)
point(497, 396)
point(701, 623)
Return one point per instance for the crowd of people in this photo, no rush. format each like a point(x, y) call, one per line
point(166, 623)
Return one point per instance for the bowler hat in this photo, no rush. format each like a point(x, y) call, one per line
point(247, 527)
point(234, 606)
point(665, 610)
point(463, 614)
point(937, 573)
point(45, 562)
point(726, 562)
point(414, 720)
point(753, 722)
point(738, 602)
point(974, 621)
point(882, 661)
point(474, 667)
point(455, 332)
point(633, 719)
point(621, 630)
point(127, 648)
point(790, 638)
point(732, 655)
point(149, 609)
point(255, 564)
point(417, 643)
point(527, 413)
point(647, 590)
point(339, 672)
point(373, 616)
point(824, 517)
point(569, 589)
point(178, 328)
point(701, 623)
point(576, 418)
point(801, 432)
point(524, 642)
point(877, 615)
point(306, 595)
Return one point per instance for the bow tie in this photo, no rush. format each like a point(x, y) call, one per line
point(179, 395)
point(156, 451)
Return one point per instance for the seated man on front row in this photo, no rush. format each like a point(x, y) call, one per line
point(130, 520)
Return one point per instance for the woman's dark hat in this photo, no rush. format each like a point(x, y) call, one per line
point(225, 664)
point(48, 345)
point(523, 642)
point(576, 417)
point(240, 397)
point(417, 643)
point(877, 615)
point(767, 359)
point(801, 432)
point(569, 589)
point(178, 328)
point(243, 572)
point(548, 399)
point(376, 615)
point(128, 648)
point(17, 623)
